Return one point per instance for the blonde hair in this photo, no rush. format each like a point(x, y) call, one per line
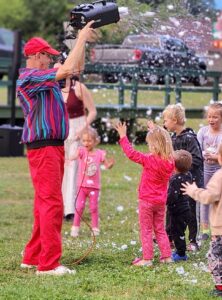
point(90, 131)
point(215, 106)
point(177, 112)
point(160, 142)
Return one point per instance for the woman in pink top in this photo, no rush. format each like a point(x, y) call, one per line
point(88, 182)
point(158, 166)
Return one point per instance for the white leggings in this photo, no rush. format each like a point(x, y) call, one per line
point(71, 167)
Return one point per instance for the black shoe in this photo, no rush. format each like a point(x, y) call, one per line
point(69, 217)
point(216, 293)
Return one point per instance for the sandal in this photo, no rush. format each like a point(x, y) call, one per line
point(140, 262)
point(166, 260)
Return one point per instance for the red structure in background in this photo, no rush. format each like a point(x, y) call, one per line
point(217, 33)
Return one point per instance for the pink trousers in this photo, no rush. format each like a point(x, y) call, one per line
point(45, 247)
point(151, 218)
point(93, 195)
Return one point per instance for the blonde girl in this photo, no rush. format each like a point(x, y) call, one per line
point(158, 166)
point(210, 137)
point(88, 180)
point(184, 138)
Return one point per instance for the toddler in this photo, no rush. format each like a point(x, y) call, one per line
point(185, 138)
point(212, 195)
point(88, 183)
point(178, 208)
point(158, 166)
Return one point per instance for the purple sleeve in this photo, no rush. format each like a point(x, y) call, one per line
point(39, 80)
point(130, 152)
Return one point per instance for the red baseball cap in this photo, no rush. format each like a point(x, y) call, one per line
point(37, 44)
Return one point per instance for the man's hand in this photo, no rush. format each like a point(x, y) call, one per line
point(88, 33)
point(188, 188)
point(121, 129)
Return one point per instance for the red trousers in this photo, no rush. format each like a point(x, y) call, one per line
point(45, 247)
point(151, 218)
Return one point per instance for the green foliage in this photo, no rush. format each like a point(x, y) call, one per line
point(12, 15)
point(37, 17)
point(44, 18)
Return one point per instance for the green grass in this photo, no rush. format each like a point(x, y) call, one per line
point(106, 272)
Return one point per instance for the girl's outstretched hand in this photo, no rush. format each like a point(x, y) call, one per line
point(188, 188)
point(109, 162)
point(121, 129)
point(150, 125)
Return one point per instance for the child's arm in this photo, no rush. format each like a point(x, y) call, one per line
point(74, 156)
point(126, 146)
point(109, 162)
point(172, 192)
point(211, 194)
point(150, 125)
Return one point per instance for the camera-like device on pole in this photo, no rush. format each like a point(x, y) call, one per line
point(102, 12)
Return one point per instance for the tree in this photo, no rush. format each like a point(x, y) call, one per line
point(37, 17)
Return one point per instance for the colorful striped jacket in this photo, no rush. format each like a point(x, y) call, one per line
point(42, 103)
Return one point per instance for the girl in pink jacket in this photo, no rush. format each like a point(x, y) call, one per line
point(158, 166)
point(89, 178)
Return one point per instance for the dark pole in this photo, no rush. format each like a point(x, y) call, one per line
point(16, 63)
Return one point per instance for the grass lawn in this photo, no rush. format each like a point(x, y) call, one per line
point(106, 273)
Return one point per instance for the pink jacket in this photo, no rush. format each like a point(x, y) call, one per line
point(155, 175)
point(89, 168)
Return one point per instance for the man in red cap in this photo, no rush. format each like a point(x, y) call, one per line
point(44, 131)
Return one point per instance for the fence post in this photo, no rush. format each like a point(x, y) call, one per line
point(167, 90)
point(216, 88)
point(134, 91)
point(178, 89)
point(9, 87)
point(121, 90)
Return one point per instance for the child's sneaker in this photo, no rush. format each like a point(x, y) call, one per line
point(193, 247)
point(74, 231)
point(60, 270)
point(96, 231)
point(176, 257)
